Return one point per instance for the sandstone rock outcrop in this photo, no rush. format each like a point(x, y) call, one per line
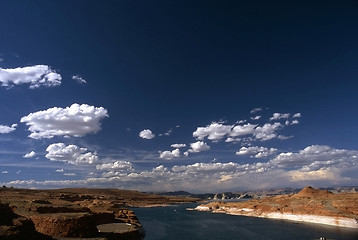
point(74, 213)
point(308, 205)
point(15, 227)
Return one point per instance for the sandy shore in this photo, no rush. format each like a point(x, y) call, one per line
point(327, 220)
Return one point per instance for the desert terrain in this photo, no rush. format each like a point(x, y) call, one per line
point(75, 213)
point(308, 205)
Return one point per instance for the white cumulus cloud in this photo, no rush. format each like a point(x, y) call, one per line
point(214, 131)
point(170, 154)
point(178, 145)
point(146, 134)
point(76, 120)
point(230, 139)
point(37, 76)
point(29, 155)
point(241, 130)
point(117, 166)
point(267, 131)
point(6, 129)
point(198, 146)
point(316, 157)
point(277, 116)
point(257, 152)
point(71, 154)
point(297, 115)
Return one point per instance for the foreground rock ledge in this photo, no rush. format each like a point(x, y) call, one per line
point(98, 214)
point(309, 205)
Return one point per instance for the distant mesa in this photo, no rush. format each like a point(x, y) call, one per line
point(309, 191)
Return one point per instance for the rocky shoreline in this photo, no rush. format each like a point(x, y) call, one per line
point(309, 205)
point(98, 214)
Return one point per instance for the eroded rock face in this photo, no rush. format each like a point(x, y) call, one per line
point(66, 224)
point(309, 205)
point(74, 213)
point(312, 192)
point(6, 215)
point(15, 227)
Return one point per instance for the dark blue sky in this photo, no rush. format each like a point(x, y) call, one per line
point(188, 72)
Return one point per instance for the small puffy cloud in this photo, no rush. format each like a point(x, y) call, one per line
point(79, 79)
point(255, 110)
point(241, 121)
point(255, 118)
point(198, 146)
point(277, 116)
point(4, 172)
point(60, 170)
point(256, 152)
point(297, 115)
point(178, 145)
point(241, 130)
point(214, 131)
point(76, 120)
point(29, 155)
point(206, 167)
point(146, 134)
point(170, 154)
point(267, 131)
point(71, 154)
point(116, 166)
point(295, 122)
point(37, 76)
point(6, 129)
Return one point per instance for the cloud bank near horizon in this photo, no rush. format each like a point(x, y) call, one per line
point(272, 167)
point(314, 164)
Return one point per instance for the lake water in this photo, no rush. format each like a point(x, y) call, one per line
point(175, 222)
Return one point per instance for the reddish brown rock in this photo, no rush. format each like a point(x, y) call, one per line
point(66, 224)
point(74, 213)
point(15, 227)
point(312, 192)
point(311, 205)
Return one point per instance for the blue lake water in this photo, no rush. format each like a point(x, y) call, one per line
point(175, 222)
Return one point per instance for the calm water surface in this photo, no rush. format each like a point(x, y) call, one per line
point(175, 222)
